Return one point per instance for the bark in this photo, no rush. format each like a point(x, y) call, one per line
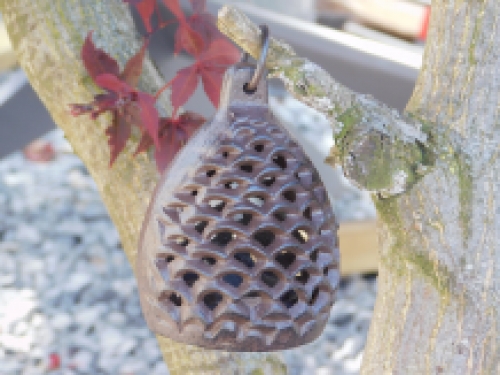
point(437, 309)
point(380, 149)
point(47, 36)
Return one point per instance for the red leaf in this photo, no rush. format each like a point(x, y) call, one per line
point(144, 144)
point(114, 84)
point(54, 362)
point(39, 151)
point(170, 147)
point(118, 133)
point(221, 52)
point(103, 103)
point(174, 135)
point(186, 38)
point(212, 83)
point(205, 25)
point(133, 68)
point(190, 122)
point(175, 8)
point(146, 8)
point(97, 61)
point(149, 116)
point(80, 109)
point(198, 5)
point(183, 85)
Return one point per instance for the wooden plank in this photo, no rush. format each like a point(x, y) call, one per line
point(358, 247)
point(400, 17)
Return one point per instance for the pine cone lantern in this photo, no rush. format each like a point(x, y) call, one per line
point(239, 247)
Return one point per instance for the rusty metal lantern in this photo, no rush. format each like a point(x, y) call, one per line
point(239, 247)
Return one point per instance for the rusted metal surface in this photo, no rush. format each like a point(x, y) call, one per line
point(239, 247)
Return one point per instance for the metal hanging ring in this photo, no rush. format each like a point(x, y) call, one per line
point(261, 64)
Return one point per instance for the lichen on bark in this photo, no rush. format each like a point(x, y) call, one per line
point(358, 121)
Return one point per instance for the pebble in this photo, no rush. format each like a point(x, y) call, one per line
point(66, 286)
point(61, 321)
point(82, 361)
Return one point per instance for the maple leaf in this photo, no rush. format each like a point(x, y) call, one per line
point(134, 107)
point(97, 61)
point(210, 66)
point(203, 22)
point(198, 5)
point(133, 67)
point(146, 9)
point(183, 86)
point(127, 105)
point(173, 134)
point(186, 37)
point(118, 133)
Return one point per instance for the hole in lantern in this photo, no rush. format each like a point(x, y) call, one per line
point(211, 173)
point(243, 218)
point(194, 193)
point(247, 90)
point(302, 276)
point(209, 260)
point(225, 154)
point(269, 278)
point(246, 258)
point(182, 241)
point(325, 271)
point(268, 180)
point(200, 226)
point(221, 238)
point(175, 299)
point(169, 258)
point(280, 215)
point(264, 237)
point(290, 195)
point(314, 255)
point(252, 294)
point(285, 258)
point(246, 168)
point(217, 204)
point(212, 300)
point(314, 296)
point(231, 185)
point(233, 279)
point(259, 147)
point(190, 278)
point(301, 235)
point(256, 200)
point(308, 213)
point(289, 299)
point(280, 161)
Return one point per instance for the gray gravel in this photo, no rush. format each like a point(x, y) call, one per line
point(67, 290)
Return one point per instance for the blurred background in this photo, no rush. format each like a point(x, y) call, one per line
point(68, 299)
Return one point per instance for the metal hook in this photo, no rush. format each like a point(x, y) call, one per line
point(261, 64)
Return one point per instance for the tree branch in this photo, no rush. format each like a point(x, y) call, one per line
point(379, 149)
point(47, 36)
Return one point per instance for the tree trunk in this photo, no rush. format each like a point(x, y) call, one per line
point(437, 309)
point(47, 36)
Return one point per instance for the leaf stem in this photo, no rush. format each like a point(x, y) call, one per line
point(166, 86)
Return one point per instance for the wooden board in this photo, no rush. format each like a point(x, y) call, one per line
point(358, 247)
